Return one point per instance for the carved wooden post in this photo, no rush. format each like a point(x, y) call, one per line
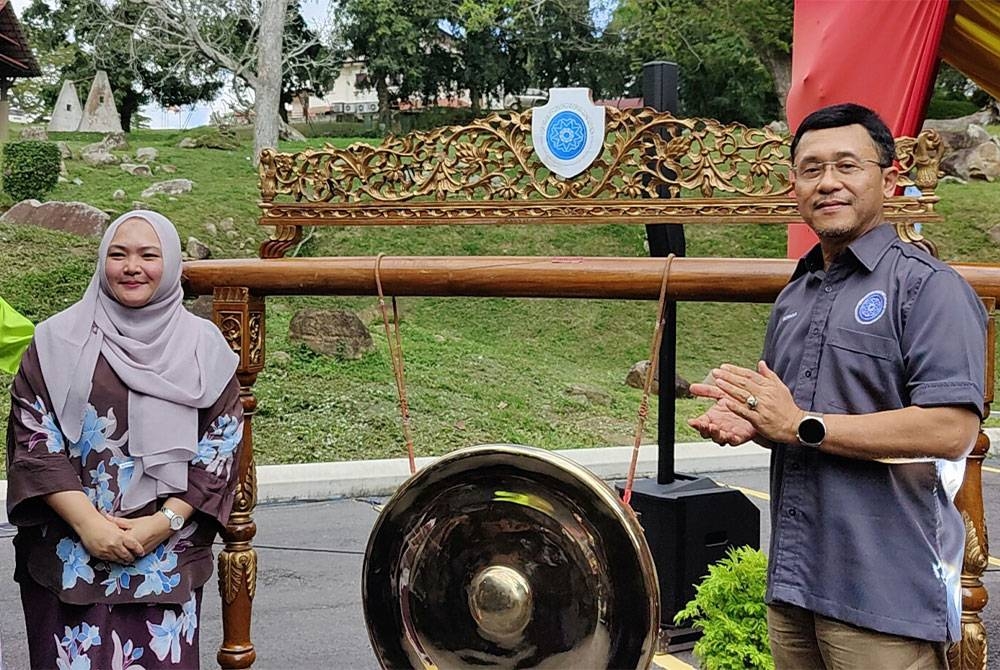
point(970, 653)
point(240, 317)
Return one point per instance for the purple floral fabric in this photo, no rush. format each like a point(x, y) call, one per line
point(41, 460)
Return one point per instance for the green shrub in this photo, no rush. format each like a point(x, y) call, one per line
point(337, 129)
point(30, 168)
point(429, 118)
point(947, 108)
point(224, 139)
point(729, 609)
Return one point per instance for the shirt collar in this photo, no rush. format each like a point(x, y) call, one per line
point(867, 250)
point(870, 247)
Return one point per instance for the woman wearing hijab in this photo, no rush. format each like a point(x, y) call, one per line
point(121, 458)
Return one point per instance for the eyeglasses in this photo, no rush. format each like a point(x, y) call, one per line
point(845, 167)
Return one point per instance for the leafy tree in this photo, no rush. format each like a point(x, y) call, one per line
point(247, 38)
point(951, 84)
point(734, 56)
point(486, 47)
point(74, 39)
point(316, 69)
point(399, 40)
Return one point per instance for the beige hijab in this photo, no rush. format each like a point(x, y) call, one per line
point(172, 362)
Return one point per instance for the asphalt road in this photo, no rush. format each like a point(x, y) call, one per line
point(308, 610)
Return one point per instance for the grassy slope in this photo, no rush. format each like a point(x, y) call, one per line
point(478, 370)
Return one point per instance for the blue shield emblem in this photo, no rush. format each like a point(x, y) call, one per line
point(568, 131)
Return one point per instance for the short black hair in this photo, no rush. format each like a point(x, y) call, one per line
point(848, 114)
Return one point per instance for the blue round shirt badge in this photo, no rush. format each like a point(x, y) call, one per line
point(566, 135)
point(870, 308)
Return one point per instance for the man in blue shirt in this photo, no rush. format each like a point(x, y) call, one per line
point(870, 394)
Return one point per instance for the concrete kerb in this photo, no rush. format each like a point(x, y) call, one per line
point(322, 481)
point(319, 481)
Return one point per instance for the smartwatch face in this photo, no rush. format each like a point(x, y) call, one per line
point(811, 430)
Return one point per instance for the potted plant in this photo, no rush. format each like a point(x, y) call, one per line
point(729, 609)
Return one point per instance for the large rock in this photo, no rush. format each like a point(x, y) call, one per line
point(115, 141)
point(331, 332)
point(34, 133)
point(972, 136)
point(99, 157)
point(979, 162)
point(146, 154)
point(111, 142)
point(983, 117)
point(169, 187)
point(197, 249)
point(137, 169)
point(187, 143)
point(636, 378)
point(71, 217)
point(64, 150)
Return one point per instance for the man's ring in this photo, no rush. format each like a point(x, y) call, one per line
point(751, 401)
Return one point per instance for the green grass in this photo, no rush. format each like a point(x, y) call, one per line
point(477, 370)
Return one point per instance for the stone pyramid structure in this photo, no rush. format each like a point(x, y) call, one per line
point(68, 112)
point(99, 113)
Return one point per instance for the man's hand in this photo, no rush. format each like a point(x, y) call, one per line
point(108, 542)
point(775, 416)
point(719, 423)
point(150, 531)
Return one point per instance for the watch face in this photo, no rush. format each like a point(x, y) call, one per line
point(177, 523)
point(811, 430)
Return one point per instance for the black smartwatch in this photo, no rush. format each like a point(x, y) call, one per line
point(811, 431)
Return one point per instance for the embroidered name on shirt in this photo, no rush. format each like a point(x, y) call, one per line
point(789, 316)
point(870, 308)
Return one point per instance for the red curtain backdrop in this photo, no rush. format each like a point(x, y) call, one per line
point(878, 53)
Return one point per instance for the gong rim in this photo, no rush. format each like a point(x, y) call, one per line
point(627, 567)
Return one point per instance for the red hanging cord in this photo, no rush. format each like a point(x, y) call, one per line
point(654, 358)
point(395, 343)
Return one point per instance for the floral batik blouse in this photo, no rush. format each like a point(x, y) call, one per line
point(41, 460)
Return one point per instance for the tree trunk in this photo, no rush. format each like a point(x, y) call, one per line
point(267, 94)
point(780, 66)
point(475, 100)
point(282, 110)
point(128, 107)
point(384, 113)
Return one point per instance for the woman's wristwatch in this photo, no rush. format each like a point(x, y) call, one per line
point(176, 520)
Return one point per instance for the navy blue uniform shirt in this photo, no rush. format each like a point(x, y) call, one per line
point(875, 544)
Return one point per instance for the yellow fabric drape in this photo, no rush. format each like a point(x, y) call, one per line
point(15, 335)
point(971, 42)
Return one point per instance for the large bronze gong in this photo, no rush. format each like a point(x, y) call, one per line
point(504, 556)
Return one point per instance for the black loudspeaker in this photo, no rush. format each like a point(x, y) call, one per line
point(689, 524)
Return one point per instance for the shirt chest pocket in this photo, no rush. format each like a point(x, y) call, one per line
point(860, 373)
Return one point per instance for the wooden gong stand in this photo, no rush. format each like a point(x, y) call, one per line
point(486, 173)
